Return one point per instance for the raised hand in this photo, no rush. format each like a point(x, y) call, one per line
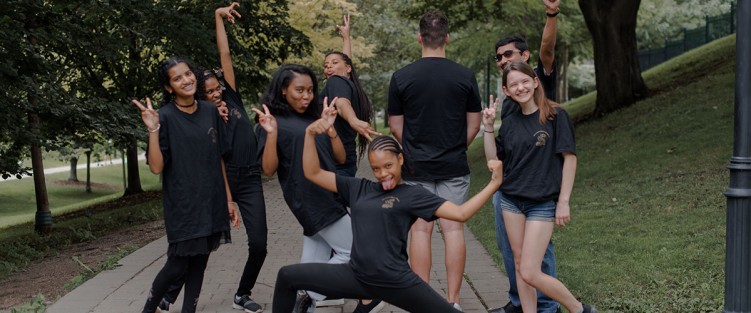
point(496, 167)
point(551, 6)
point(229, 12)
point(148, 115)
point(266, 120)
point(223, 111)
point(329, 111)
point(488, 114)
point(364, 129)
point(344, 29)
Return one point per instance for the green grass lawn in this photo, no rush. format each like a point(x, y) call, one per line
point(18, 204)
point(648, 210)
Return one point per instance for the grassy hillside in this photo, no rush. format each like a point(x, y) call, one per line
point(648, 226)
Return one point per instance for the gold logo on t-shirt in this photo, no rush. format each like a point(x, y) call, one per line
point(542, 138)
point(236, 113)
point(389, 201)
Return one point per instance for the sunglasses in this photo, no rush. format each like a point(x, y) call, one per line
point(507, 54)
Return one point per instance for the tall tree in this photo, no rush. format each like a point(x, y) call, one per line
point(612, 24)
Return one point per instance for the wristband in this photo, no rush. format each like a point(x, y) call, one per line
point(553, 14)
point(155, 129)
point(491, 132)
point(337, 135)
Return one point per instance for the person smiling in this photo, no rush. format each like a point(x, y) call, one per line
point(536, 144)
point(289, 107)
point(185, 146)
point(382, 214)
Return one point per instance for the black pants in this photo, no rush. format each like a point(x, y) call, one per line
point(245, 187)
point(189, 268)
point(338, 281)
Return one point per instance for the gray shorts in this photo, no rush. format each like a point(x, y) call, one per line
point(454, 189)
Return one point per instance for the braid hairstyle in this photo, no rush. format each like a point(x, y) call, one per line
point(162, 74)
point(547, 108)
point(205, 74)
point(365, 107)
point(388, 143)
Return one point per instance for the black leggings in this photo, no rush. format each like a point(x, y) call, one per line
point(338, 281)
point(192, 267)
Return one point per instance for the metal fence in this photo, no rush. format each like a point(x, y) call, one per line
point(715, 27)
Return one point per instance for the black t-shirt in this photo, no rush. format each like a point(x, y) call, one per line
point(195, 200)
point(548, 85)
point(380, 225)
point(239, 135)
point(434, 96)
point(532, 154)
point(341, 87)
point(314, 207)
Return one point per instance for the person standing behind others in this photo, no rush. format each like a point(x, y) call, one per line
point(353, 105)
point(510, 49)
point(185, 146)
point(434, 112)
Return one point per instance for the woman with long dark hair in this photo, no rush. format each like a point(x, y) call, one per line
point(185, 146)
point(289, 106)
point(353, 105)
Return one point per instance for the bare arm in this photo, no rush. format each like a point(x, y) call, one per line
point(270, 158)
point(234, 218)
point(488, 136)
point(473, 126)
point(340, 156)
point(396, 124)
point(310, 164)
point(150, 118)
point(312, 167)
point(549, 33)
point(344, 108)
point(562, 209)
point(222, 43)
point(346, 41)
point(462, 213)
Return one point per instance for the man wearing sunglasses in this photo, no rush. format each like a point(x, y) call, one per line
point(510, 49)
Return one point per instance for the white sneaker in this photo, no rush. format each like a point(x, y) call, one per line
point(456, 306)
point(330, 302)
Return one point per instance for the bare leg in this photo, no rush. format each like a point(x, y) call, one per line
point(456, 256)
point(420, 258)
point(515, 230)
point(536, 238)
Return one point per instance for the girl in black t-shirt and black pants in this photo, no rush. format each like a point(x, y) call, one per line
point(185, 146)
point(382, 214)
point(536, 145)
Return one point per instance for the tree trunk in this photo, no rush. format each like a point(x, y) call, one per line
point(385, 118)
point(134, 177)
point(563, 74)
point(612, 24)
point(88, 171)
point(43, 218)
point(73, 171)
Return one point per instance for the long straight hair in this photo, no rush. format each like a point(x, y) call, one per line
point(365, 107)
point(546, 107)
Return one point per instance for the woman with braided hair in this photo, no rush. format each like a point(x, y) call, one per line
point(384, 209)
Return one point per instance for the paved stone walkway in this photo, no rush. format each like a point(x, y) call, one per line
point(124, 289)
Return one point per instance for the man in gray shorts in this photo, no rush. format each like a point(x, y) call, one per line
point(434, 112)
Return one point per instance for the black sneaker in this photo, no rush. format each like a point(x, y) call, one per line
point(586, 308)
point(164, 305)
point(374, 306)
point(302, 302)
point(244, 302)
point(508, 308)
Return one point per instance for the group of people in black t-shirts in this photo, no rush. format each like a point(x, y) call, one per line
point(355, 230)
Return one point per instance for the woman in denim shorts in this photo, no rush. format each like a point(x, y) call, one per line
point(537, 147)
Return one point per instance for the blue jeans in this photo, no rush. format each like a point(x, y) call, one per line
point(544, 303)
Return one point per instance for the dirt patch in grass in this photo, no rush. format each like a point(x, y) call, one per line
point(50, 275)
point(79, 183)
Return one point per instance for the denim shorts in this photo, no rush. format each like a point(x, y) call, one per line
point(533, 210)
